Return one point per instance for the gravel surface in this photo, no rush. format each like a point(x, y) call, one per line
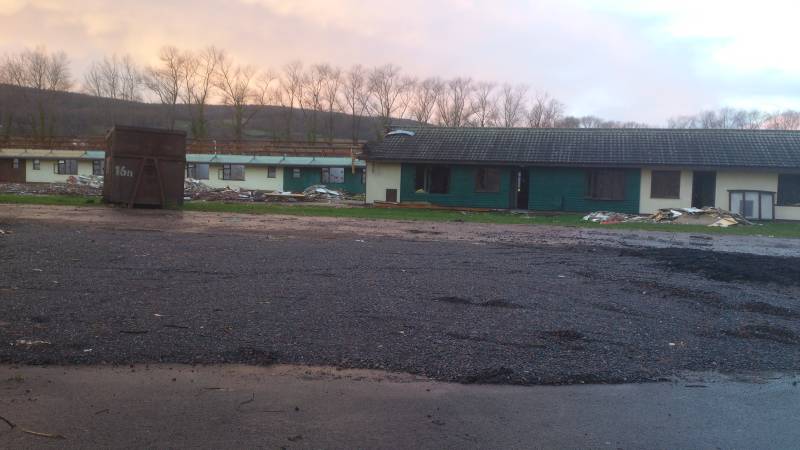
point(467, 311)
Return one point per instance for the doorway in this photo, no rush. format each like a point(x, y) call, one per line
point(704, 188)
point(12, 170)
point(519, 188)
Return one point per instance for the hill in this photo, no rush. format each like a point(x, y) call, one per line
point(25, 111)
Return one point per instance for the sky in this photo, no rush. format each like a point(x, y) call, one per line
point(624, 60)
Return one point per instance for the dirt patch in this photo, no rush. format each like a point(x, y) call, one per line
point(770, 310)
point(564, 335)
point(723, 266)
point(415, 231)
point(765, 332)
point(496, 303)
point(489, 376)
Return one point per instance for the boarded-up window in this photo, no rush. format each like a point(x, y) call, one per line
point(197, 171)
point(233, 172)
point(37, 164)
point(98, 167)
point(66, 167)
point(605, 184)
point(272, 172)
point(665, 184)
point(332, 175)
point(789, 190)
point(487, 180)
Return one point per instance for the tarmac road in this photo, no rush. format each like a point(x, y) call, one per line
point(472, 312)
point(232, 406)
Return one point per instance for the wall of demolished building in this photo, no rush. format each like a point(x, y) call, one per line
point(649, 205)
point(564, 189)
point(255, 179)
point(461, 190)
point(380, 177)
point(47, 174)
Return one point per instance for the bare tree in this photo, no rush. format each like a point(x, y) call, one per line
point(786, 120)
point(545, 112)
point(166, 80)
point(592, 122)
point(387, 87)
point(290, 94)
point(313, 85)
point(512, 104)
point(243, 90)
point(44, 74)
point(114, 78)
point(483, 105)
point(452, 106)
point(423, 100)
point(355, 91)
point(332, 97)
point(199, 78)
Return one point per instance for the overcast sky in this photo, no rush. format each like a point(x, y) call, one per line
point(620, 59)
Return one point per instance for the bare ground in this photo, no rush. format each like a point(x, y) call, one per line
point(459, 302)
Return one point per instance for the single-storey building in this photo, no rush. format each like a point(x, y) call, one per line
point(752, 172)
point(268, 173)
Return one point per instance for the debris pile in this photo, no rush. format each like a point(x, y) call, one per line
point(95, 181)
point(320, 192)
point(708, 216)
point(607, 217)
point(74, 188)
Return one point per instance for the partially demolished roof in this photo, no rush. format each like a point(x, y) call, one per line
point(766, 149)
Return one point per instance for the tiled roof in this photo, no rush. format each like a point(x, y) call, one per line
point(593, 147)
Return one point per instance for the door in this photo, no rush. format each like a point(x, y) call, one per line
point(519, 183)
point(12, 170)
point(704, 189)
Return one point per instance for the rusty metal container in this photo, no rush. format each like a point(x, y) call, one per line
point(144, 167)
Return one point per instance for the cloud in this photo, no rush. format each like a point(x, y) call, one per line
point(622, 59)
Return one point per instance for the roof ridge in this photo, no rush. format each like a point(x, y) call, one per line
point(584, 130)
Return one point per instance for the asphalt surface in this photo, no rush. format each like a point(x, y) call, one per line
point(169, 406)
point(471, 312)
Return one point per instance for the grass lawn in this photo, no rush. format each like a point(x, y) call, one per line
point(779, 229)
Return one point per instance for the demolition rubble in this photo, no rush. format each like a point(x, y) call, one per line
point(708, 216)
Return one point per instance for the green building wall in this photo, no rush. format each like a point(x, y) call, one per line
point(564, 189)
point(310, 176)
point(461, 191)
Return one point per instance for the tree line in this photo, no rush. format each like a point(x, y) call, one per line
point(322, 93)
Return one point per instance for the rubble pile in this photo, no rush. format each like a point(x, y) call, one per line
point(75, 188)
point(95, 181)
point(320, 192)
point(608, 217)
point(708, 216)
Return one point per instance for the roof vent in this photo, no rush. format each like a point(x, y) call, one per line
point(400, 132)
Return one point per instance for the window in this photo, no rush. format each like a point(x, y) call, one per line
point(272, 172)
point(432, 179)
point(332, 175)
point(15, 163)
point(66, 167)
point(487, 180)
point(757, 205)
point(296, 173)
point(605, 184)
point(98, 167)
point(665, 184)
point(363, 176)
point(789, 190)
point(197, 171)
point(233, 172)
point(36, 164)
